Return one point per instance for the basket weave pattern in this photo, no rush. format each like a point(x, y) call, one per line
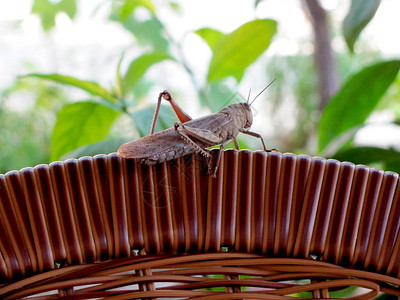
point(109, 227)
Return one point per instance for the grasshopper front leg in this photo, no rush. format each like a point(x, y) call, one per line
point(185, 132)
point(182, 116)
point(255, 134)
point(185, 136)
point(203, 135)
point(223, 145)
point(207, 137)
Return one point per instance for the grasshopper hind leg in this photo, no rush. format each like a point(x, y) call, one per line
point(194, 146)
point(182, 116)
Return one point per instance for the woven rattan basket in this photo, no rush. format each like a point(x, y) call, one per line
point(268, 226)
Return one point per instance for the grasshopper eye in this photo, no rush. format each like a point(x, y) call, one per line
point(249, 119)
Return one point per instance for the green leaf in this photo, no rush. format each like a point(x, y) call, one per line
point(167, 117)
point(89, 86)
point(210, 35)
point(143, 118)
point(256, 3)
point(359, 15)
point(355, 100)
point(68, 6)
point(104, 146)
point(80, 124)
point(345, 293)
point(219, 95)
point(389, 158)
point(175, 6)
point(143, 87)
point(128, 7)
point(48, 10)
point(148, 32)
point(237, 50)
point(138, 68)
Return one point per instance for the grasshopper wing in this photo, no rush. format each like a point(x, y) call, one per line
point(155, 148)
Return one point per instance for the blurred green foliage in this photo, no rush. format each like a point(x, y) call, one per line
point(25, 134)
point(87, 122)
point(359, 15)
point(48, 10)
point(355, 101)
point(79, 124)
point(87, 127)
point(234, 52)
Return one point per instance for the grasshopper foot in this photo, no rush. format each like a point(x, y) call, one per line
point(166, 95)
point(214, 174)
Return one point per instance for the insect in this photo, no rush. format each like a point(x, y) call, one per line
point(192, 135)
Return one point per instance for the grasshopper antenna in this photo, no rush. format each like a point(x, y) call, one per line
point(248, 97)
point(262, 91)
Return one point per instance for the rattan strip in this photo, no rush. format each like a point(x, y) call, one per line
point(174, 276)
point(281, 205)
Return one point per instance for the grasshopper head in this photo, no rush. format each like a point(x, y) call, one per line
point(248, 116)
point(241, 112)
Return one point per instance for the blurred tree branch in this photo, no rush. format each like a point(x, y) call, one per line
point(324, 56)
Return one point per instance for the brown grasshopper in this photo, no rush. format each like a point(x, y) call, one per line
point(192, 136)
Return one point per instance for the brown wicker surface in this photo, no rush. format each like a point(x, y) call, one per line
point(73, 227)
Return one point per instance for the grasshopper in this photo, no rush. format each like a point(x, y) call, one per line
point(192, 136)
